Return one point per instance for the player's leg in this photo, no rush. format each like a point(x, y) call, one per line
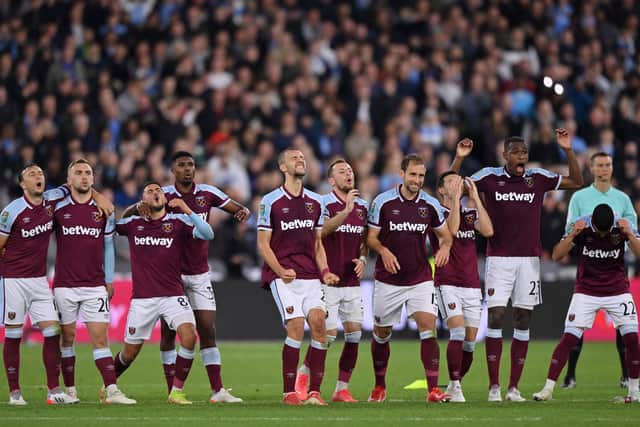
point(472, 309)
point(68, 306)
point(351, 316)
point(500, 276)
point(168, 352)
point(570, 377)
point(142, 317)
point(580, 315)
point(314, 307)
point(450, 307)
point(620, 346)
point(15, 307)
point(388, 301)
point(622, 310)
point(527, 293)
point(468, 348)
point(289, 305)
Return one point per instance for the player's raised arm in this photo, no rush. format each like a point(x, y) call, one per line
point(453, 220)
point(574, 180)
point(483, 224)
point(328, 278)
point(202, 230)
point(331, 224)
point(564, 246)
point(389, 260)
point(632, 235)
point(463, 149)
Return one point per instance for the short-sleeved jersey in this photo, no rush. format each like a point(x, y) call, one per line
point(462, 268)
point(80, 230)
point(200, 200)
point(403, 226)
point(293, 222)
point(601, 271)
point(28, 228)
point(343, 245)
point(514, 204)
point(156, 248)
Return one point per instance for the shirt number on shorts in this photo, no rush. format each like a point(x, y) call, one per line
point(535, 287)
point(183, 302)
point(629, 308)
point(104, 305)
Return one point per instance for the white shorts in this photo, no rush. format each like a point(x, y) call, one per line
point(344, 303)
point(583, 308)
point(199, 290)
point(91, 302)
point(458, 301)
point(298, 297)
point(30, 295)
point(145, 312)
point(517, 278)
point(388, 301)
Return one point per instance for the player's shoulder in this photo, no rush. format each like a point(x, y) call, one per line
point(313, 195)
point(65, 202)
point(362, 203)
point(16, 206)
point(129, 219)
point(169, 189)
point(488, 172)
point(386, 196)
point(273, 196)
point(429, 199)
point(541, 172)
point(210, 189)
point(177, 217)
point(619, 193)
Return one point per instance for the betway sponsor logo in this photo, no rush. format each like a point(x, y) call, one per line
point(407, 226)
point(296, 224)
point(512, 196)
point(467, 234)
point(348, 228)
point(153, 241)
point(79, 230)
point(599, 253)
point(38, 229)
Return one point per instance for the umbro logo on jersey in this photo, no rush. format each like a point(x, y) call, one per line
point(66, 216)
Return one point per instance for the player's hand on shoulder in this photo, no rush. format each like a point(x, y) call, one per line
point(144, 210)
point(104, 205)
point(242, 215)
point(464, 147)
point(288, 275)
point(330, 279)
point(179, 204)
point(563, 137)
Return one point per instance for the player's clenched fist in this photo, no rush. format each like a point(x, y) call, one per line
point(180, 204)
point(288, 275)
point(464, 147)
point(328, 278)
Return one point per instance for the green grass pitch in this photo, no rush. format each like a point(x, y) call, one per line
point(252, 370)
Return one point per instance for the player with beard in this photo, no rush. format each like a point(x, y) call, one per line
point(83, 281)
point(600, 241)
point(343, 233)
point(582, 203)
point(290, 242)
point(158, 245)
point(513, 196)
point(458, 282)
point(399, 220)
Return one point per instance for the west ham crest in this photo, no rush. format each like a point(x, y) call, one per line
point(132, 330)
point(572, 317)
point(469, 218)
point(491, 291)
point(360, 213)
point(49, 210)
point(289, 309)
point(451, 305)
point(528, 180)
point(11, 315)
point(201, 201)
point(616, 239)
point(422, 211)
point(167, 227)
point(309, 207)
point(96, 216)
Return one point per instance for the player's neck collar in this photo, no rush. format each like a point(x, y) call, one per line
point(30, 203)
point(338, 197)
point(193, 190)
point(291, 195)
point(402, 198)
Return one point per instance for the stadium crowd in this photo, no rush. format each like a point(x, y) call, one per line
point(126, 83)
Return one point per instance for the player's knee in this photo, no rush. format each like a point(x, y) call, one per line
point(496, 317)
point(628, 329)
point(576, 332)
point(382, 335)
point(353, 337)
point(187, 337)
point(521, 318)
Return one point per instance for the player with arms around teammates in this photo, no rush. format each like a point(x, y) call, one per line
point(290, 242)
point(399, 220)
point(458, 282)
point(599, 240)
point(513, 196)
point(343, 236)
point(200, 198)
point(157, 246)
point(83, 281)
point(26, 225)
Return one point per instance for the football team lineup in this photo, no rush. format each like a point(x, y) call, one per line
point(315, 248)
